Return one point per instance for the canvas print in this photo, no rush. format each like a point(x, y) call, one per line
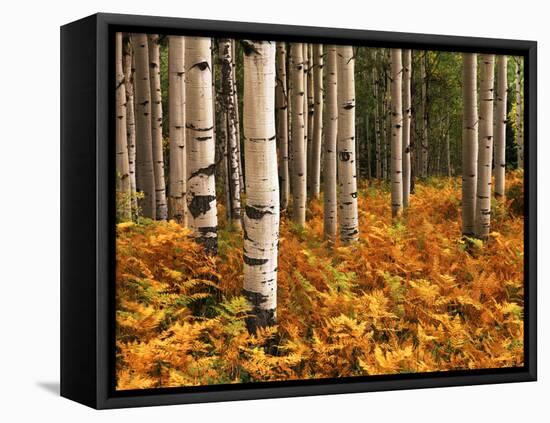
point(290, 211)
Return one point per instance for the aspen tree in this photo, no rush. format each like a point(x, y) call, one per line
point(298, 135)
point(347, 178)
point(317, 120)
point(228, 98)
point(201, 187)
point(177, 205)
point(281, 107)
point(307, 144)
point(331, 135)
point(237, 116)
point(407, 116)
point(376, 91)
point(122, 165)
point(145, 176)
point(424, 102)
point(261, 219)
point(156, 127)
point(485, 146)
point(396, 133)
point(500, 127)
point(519, 113)
point(310, 118)
point(469, 142)
point(128, 69)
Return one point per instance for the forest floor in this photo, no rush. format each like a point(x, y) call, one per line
point(410, 296)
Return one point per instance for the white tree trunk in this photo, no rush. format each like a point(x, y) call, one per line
point(228, 98)
point(377, 134)
point(178, 155)
point(424, 100)
point(396, 133)
point(201, 187)
point(469, 142)
point(519, 114)
point(500, 126)
point(281, 107)
point(347, 178)
point(156, 127)
point(128, 68)
point(485, 146)
point(317, 120)
point(298, 135)
point(331, 136)
point(145, 176)
point(261, 220)
point(407, 116)
point(122, 165)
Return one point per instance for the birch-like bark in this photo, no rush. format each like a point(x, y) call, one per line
point(307, 144)
point(228, 98)
point(377, 134)
point(201, 166)
point(500, 127)
point(261, 219)
point(177, 205)
point(237, 116)
point(347, 178)
point(156, 127)
point(407, 116)
point(519, 113)
point(331, 136)
point(310, 117)
point(298, 135)
point(485, 146)
point(128, 69)
point(145, 176)
point(396, 133)
point(122, 165)
point(281, 107)
point(424, 102)
point(469, 142)
point(317, 120)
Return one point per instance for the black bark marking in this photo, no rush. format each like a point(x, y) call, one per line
point(345, 156)
point(249, 48)
point(201, 65)
point(194, 128)
point(206, 171)
point(254, 261)
point(257, 212)
point(200, 204)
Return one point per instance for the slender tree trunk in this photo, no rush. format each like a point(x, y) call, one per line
point(307, 126)
point(396, 133)
point(519, 115)
point(485, 147)
point(261, 220)
point(347, 178)
point(128, 68)
point(368, 146)
point(469, 142)
point(201, 187)
point(317, 120)
point(228, 98)
point(500, 129)
point(331, 136)
point(424, 141)
point(376, 91)
point(281, 106)
point(237, 116)
point(298, 135)
point(177, 204)
point(122, 165)
point(156, 126)
point(407, 115)
point(145, 176)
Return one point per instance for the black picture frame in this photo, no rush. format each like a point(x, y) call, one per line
point(87, 211)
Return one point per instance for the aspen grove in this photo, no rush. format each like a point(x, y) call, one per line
point(295, 210)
